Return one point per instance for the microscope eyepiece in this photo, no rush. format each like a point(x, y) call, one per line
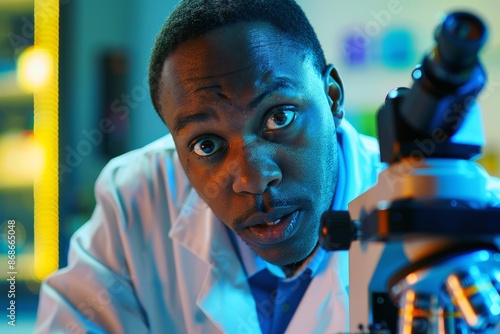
point(444, 90)
point(459, 39)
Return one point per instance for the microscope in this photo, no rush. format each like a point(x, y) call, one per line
point(424, 242)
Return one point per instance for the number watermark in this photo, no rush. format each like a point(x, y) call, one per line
point(11, 272)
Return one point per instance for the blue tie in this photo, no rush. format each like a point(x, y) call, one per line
point(276, 300)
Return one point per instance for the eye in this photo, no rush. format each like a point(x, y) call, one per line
point(279, 119)
point(206, 146)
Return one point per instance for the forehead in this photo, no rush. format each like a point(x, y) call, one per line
point(231, 58)
point(230, 46)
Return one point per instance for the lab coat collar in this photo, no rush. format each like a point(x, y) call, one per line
point(331, 287)
point(225, 297)
point(225, 283)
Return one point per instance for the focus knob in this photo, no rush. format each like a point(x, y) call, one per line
point(337, 231)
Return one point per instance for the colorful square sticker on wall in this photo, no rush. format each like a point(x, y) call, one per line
point(390, 47)
point(354, 49)
point(397, 49)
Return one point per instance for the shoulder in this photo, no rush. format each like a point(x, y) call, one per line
point(361, 152)
point(351, 139)
point(139, 161)
point(151, 161)
point(151, 172)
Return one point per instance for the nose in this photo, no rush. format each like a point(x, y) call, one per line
point(255, 169)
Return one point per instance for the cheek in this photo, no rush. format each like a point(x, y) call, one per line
point(197, 177)
point(325, 136)
point(211, 184)
point(319, 161)
point(318, 142)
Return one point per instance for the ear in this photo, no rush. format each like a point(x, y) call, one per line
point(334, 90)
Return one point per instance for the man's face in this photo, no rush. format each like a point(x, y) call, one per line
point(255, 134)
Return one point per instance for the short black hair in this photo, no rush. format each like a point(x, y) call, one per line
point(194, 18)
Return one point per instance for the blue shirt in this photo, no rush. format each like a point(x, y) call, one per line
point(277, 297)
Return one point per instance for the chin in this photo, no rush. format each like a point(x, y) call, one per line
point(287, 255)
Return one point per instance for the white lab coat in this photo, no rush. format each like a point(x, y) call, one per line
point(154, 259)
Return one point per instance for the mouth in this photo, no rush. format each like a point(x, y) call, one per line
point(273, 230)
point(273, 223)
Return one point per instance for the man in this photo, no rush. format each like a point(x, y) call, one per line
point(214, 228)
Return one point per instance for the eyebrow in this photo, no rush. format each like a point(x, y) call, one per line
point(277, 84)
point(182, 122)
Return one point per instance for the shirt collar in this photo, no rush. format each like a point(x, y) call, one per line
point(253, 263)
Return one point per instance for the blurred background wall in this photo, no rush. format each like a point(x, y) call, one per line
point(105, 109)
point(375, 44)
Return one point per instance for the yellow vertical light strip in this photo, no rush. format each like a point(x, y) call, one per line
point(46, 185)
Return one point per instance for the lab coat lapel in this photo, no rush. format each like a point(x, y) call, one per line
point(329, 286)
point(224, 296)
point(226, 299)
